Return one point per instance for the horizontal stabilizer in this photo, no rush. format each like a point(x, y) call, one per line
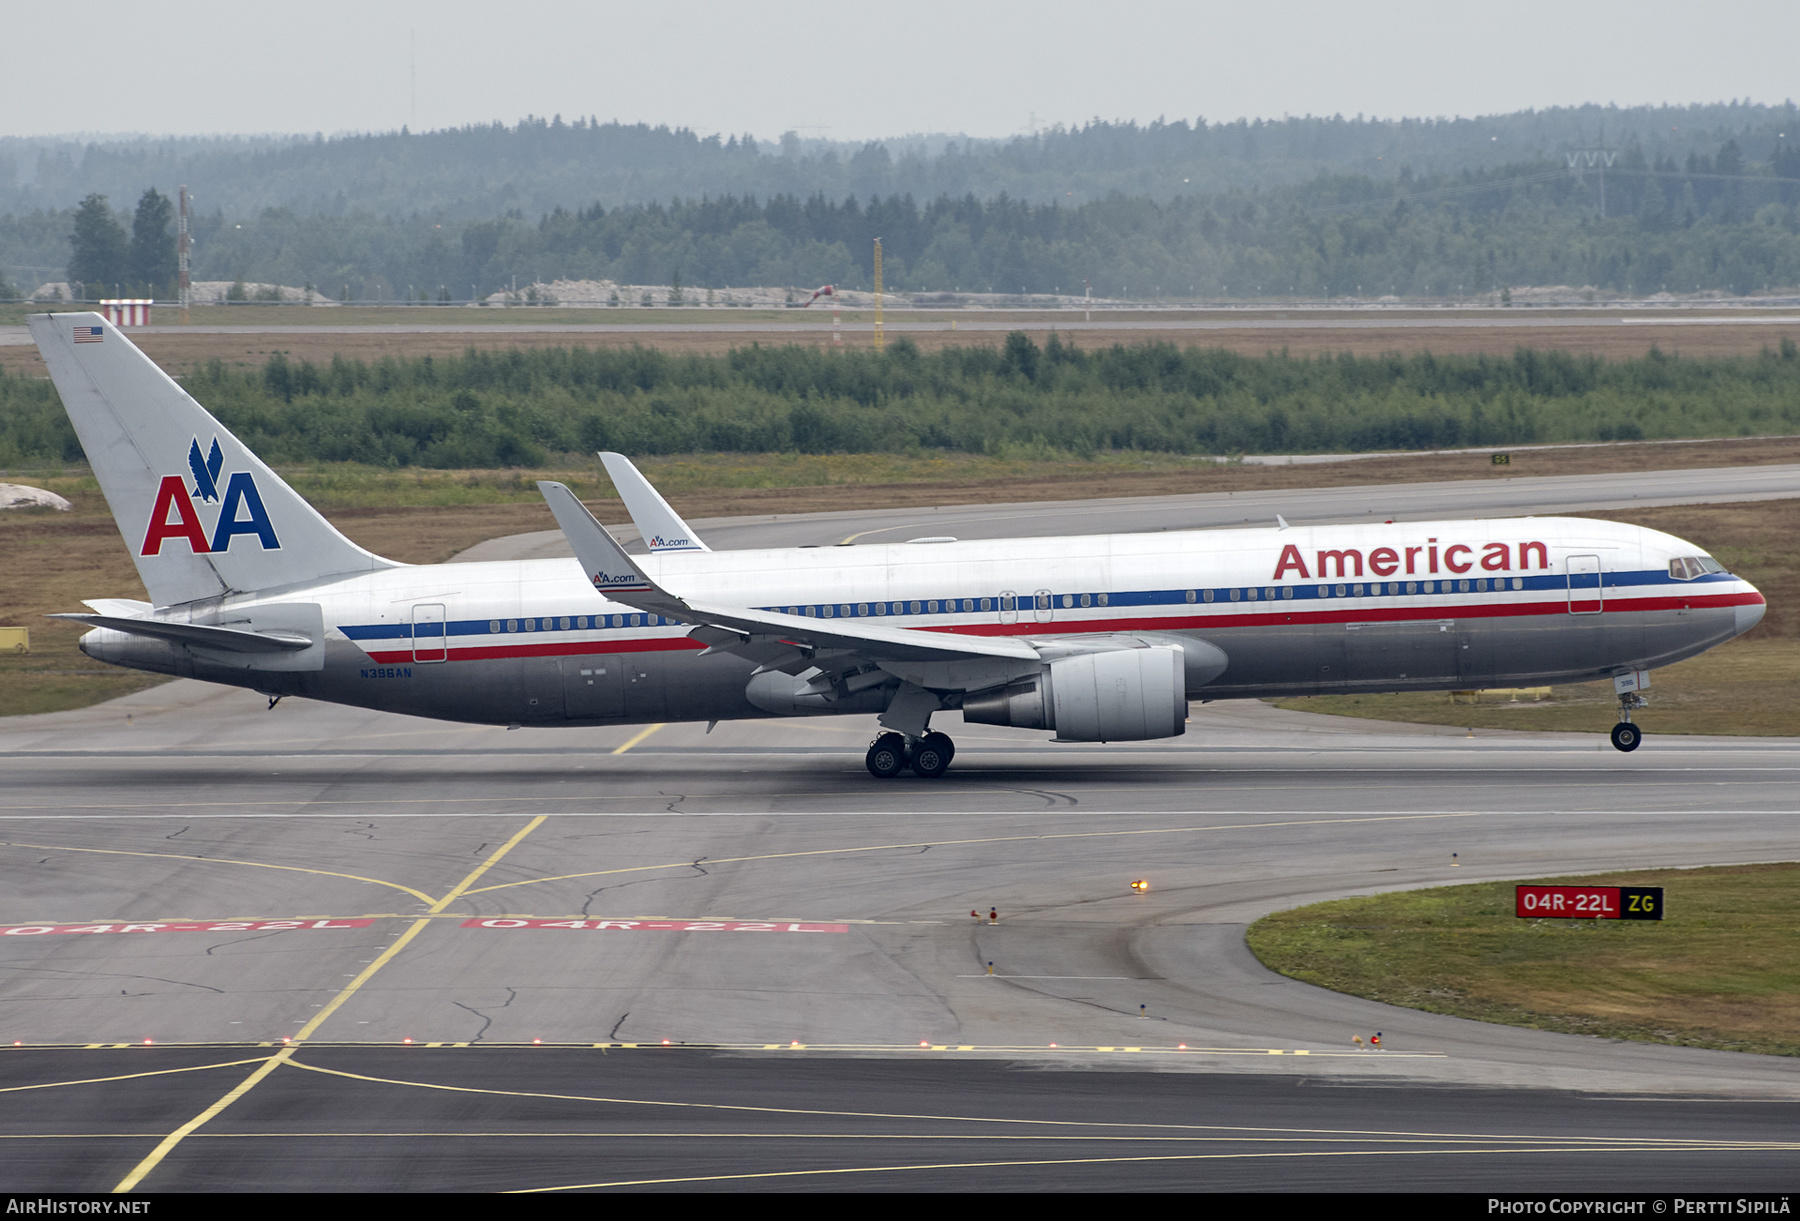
point(129, 608)
point(230, 639)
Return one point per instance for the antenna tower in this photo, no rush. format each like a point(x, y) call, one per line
point(181, 258)
point(878, 334)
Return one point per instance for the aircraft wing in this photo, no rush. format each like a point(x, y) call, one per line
point(661, 526)
point(616, 575)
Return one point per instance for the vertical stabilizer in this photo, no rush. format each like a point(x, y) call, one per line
point(201, 514)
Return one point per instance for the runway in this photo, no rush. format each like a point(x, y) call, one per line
point(1530, 496)
point(1272, 319)
point(421, 956)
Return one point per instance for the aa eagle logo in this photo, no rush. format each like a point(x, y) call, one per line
point(240, 511)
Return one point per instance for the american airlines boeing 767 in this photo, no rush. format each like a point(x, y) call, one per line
point(1098, 639)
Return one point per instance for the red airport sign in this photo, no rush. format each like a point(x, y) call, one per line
point(1589, 902)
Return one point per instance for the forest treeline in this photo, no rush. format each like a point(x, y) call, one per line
point(524, 408)
point(537, 165)
point(1678, 200)
point(1714, 222)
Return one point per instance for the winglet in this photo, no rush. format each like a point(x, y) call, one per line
point(605, 563)
point(661, 526)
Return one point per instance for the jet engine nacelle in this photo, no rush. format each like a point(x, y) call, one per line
point(1120, 695)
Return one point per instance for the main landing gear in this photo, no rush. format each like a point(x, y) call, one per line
point(928, 756)
point(1625, 735)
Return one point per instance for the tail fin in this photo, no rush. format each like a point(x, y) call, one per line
point(202, 515)
point(661, 526)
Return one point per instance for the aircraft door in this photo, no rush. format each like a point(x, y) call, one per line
point(1009, 606)
point(1043, 606)
point(593, 687)
point(430, 643)
point(1585, 596)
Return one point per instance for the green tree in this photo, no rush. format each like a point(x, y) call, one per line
point(151, 263)
point(98, 260)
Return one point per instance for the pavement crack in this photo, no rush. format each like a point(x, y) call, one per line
point(244, 940)
point(486, 1021)
point(1050, 798)
point(65, 972)
point(613, 1034)
point(181, 832)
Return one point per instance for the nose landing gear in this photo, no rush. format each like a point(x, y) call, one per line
point(927, 756)
point(1625, 735)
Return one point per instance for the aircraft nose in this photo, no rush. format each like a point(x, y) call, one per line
point(1748, 616)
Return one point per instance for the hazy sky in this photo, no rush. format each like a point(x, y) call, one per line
point(848, 71)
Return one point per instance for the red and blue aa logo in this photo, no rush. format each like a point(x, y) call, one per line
point(241, 511)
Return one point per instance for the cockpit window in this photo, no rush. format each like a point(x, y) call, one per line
point(1687, 567)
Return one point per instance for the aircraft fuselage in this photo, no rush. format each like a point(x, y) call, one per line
point(1408, 606)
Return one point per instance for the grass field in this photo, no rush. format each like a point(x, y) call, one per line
point(1250, 332)
point(1721, 970)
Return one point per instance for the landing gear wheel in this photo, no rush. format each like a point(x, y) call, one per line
point(887, 755)
point(931, 755)
point(1626, 736)
point(942, 742)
